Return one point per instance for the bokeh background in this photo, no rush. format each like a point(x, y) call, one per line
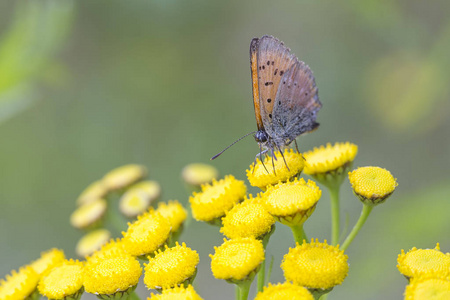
point(86, 86)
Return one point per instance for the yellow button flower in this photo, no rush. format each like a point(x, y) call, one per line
point(123, 177)
point(139, 197)
point(171, 267)
point(329, 158)
point(62, 282)
point(92, 241)
point(178, 293)
point(372, 185)
point(147, 234)
point(329, 164)
point(428, 287)
point(151, 188)
point(315, 265)
point(261, 175)
point(133, 203)
point(291, 203)
point(197, 174)
point(94, 191)
point(249, 218)
point(112, 275)
point(111, 249)
point(88, 215)
point(217, 198)
point(174, 212)
point(237, 259)
point(285, 290)
point(417, 262)
point(48, 260)
point(19, 285)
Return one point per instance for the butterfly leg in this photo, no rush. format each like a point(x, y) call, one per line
point(296, 146)
point(273, 163)
point(282, 155)
point(261, 152)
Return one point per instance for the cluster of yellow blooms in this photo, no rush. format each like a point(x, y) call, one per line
point(427, 271)
point(111, 268)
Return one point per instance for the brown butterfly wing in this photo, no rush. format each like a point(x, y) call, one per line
point(273, 60)
point(297, 103)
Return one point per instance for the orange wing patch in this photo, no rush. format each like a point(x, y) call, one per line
point(254, 69)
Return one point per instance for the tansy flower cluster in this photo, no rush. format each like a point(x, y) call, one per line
point(428, 273)
point(111, 266)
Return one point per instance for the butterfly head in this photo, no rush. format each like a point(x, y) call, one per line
point(261, 136)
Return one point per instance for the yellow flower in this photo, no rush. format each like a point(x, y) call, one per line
point(291, 203)
point(65, 280)
point(315, 265)
point(372, 185)
point(123, 177)
point(329, 164)
point(19, 285)
point(237, 259)
point(217, 198)
point(112, 275)
point(88, 215)
point(428, 287)
point(94, 191)
point(48, 260)
point(247, 219)
point(419, 262)
point(285, 290)
point(151, 188)
point(147, 234)
point(330, 158)
point(139, 197)
point(261, 176)
point(111, 249)
point(92, 241)
point(177, 293)
point(171, 267)
point(197, 174)
point(174, 212)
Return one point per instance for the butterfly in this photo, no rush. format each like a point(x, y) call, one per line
point(285, 96)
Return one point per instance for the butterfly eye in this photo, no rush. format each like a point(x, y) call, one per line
point(261, 136)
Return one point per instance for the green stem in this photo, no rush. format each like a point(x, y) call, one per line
point(244, 289)
point(133, 296)
point(113, 216)
point(262, 269)
point(362, 219)
point(261, 276)
point(238, 293)
point(335, 214)
point(299, 234)
point(323, 297)
point(269, 270)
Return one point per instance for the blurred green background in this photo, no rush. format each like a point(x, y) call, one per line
point(88, 86)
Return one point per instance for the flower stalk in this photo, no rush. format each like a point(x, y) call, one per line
point(335, 214)
point(362, 219)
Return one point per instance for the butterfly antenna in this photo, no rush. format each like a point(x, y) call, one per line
point(218, 154)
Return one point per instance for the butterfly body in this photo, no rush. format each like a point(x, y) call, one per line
point(285, 96)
